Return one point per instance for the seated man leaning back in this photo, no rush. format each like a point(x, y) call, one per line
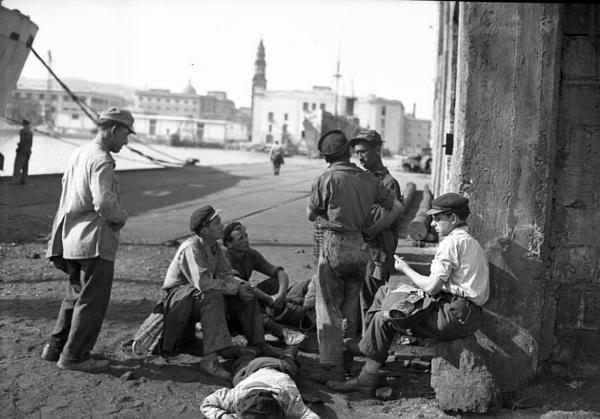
point(273, 291)
point(444, 305)
point(201, 287)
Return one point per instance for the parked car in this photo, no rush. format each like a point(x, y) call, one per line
point(421, 163)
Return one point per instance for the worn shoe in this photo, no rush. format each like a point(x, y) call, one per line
point(328, 373)
point(50, 354)
point(213, 369)
point(90, 365)
point(292, 337)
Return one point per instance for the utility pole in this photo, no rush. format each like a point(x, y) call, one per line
point(337, 76)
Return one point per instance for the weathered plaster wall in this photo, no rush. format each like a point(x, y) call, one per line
point(505, 138)
point(575, 228)
point(527, 153)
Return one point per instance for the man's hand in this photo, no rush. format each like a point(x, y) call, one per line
point(245, 292)
point(278, 301)
point(400, 264)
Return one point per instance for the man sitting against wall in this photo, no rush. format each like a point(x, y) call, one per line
point(444, 305)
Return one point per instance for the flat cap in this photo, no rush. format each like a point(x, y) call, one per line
point(333, 142)
point(122, 116)
point(367, 135)
point(202, 216)
point(25, 122)
point(448, 202)
point(230, 228)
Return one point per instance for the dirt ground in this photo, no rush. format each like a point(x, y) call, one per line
point(30, 293)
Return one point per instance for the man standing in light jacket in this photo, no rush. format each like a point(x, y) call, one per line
point(84, 241)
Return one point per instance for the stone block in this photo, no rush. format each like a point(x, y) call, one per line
point(510, 351)
point(577, 19)
point(461, 379)
point(576, 102)
point(579, 57)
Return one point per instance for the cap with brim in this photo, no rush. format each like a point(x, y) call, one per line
point(333, 142)
point(448, 202)
point(121, 116)
point(369, 136)
point(202, 216)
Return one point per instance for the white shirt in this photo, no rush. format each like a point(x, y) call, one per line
point(460, 263)
point(223, 402)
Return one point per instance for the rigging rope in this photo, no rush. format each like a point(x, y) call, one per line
point(89, 111)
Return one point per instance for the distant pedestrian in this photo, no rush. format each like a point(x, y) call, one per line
point(343, 197)
point(21, 166)
point(276, 156)
point(84, 241)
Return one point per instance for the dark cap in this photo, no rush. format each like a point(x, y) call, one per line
point(122, 116)
point(259, 403)
point(230, 228)
point(369, 136)
point(333, 142)
point(25, 122)
point(448, 202)
point(202, 217)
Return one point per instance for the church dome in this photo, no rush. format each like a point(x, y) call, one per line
point(189, 89)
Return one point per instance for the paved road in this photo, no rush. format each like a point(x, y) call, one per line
point(160, 201)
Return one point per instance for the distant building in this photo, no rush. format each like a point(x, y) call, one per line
point(57, 109)
point(418, 133)
point(213, 105)
point(279, 115)
point(384, 115)
point(165, 128)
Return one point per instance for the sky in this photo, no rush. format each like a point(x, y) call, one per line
point(385, 47)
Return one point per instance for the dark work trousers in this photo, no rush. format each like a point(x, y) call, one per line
point(379, 269)
point(215, 311)
point(83, 308)
point(21, 168)
point(246, 366)
point(341, 273)
point(451, 317)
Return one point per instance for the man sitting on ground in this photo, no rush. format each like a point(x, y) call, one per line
point(272, 292)
point(200, 287)
point(458, 282)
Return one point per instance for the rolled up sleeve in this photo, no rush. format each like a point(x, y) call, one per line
point(444, 262)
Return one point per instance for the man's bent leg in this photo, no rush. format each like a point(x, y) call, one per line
point(250, 318)
point(88, 313)
point(209, 309)
point(377, 339)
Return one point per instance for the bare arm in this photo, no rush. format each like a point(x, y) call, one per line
point(430, 284)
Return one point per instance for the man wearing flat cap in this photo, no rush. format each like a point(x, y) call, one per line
point(444, 305)
point(84, 241)
point(200, 287)
point(21, 166)
point(367, 147)
point(341, 199)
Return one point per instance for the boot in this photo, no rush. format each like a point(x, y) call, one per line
point(365, 383)
point(328, 372)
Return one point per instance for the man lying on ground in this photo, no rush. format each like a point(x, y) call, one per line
point(263, 388)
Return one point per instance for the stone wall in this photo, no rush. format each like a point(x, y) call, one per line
point(575, 248)
point(525, 114)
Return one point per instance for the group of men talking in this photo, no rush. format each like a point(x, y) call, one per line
point(356, 312)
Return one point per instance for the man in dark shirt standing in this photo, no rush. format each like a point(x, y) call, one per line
point(21, 166)
point(367, 146)
point(342, 198)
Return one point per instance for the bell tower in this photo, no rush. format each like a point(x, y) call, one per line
point(259, 84)
point(259, 81)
